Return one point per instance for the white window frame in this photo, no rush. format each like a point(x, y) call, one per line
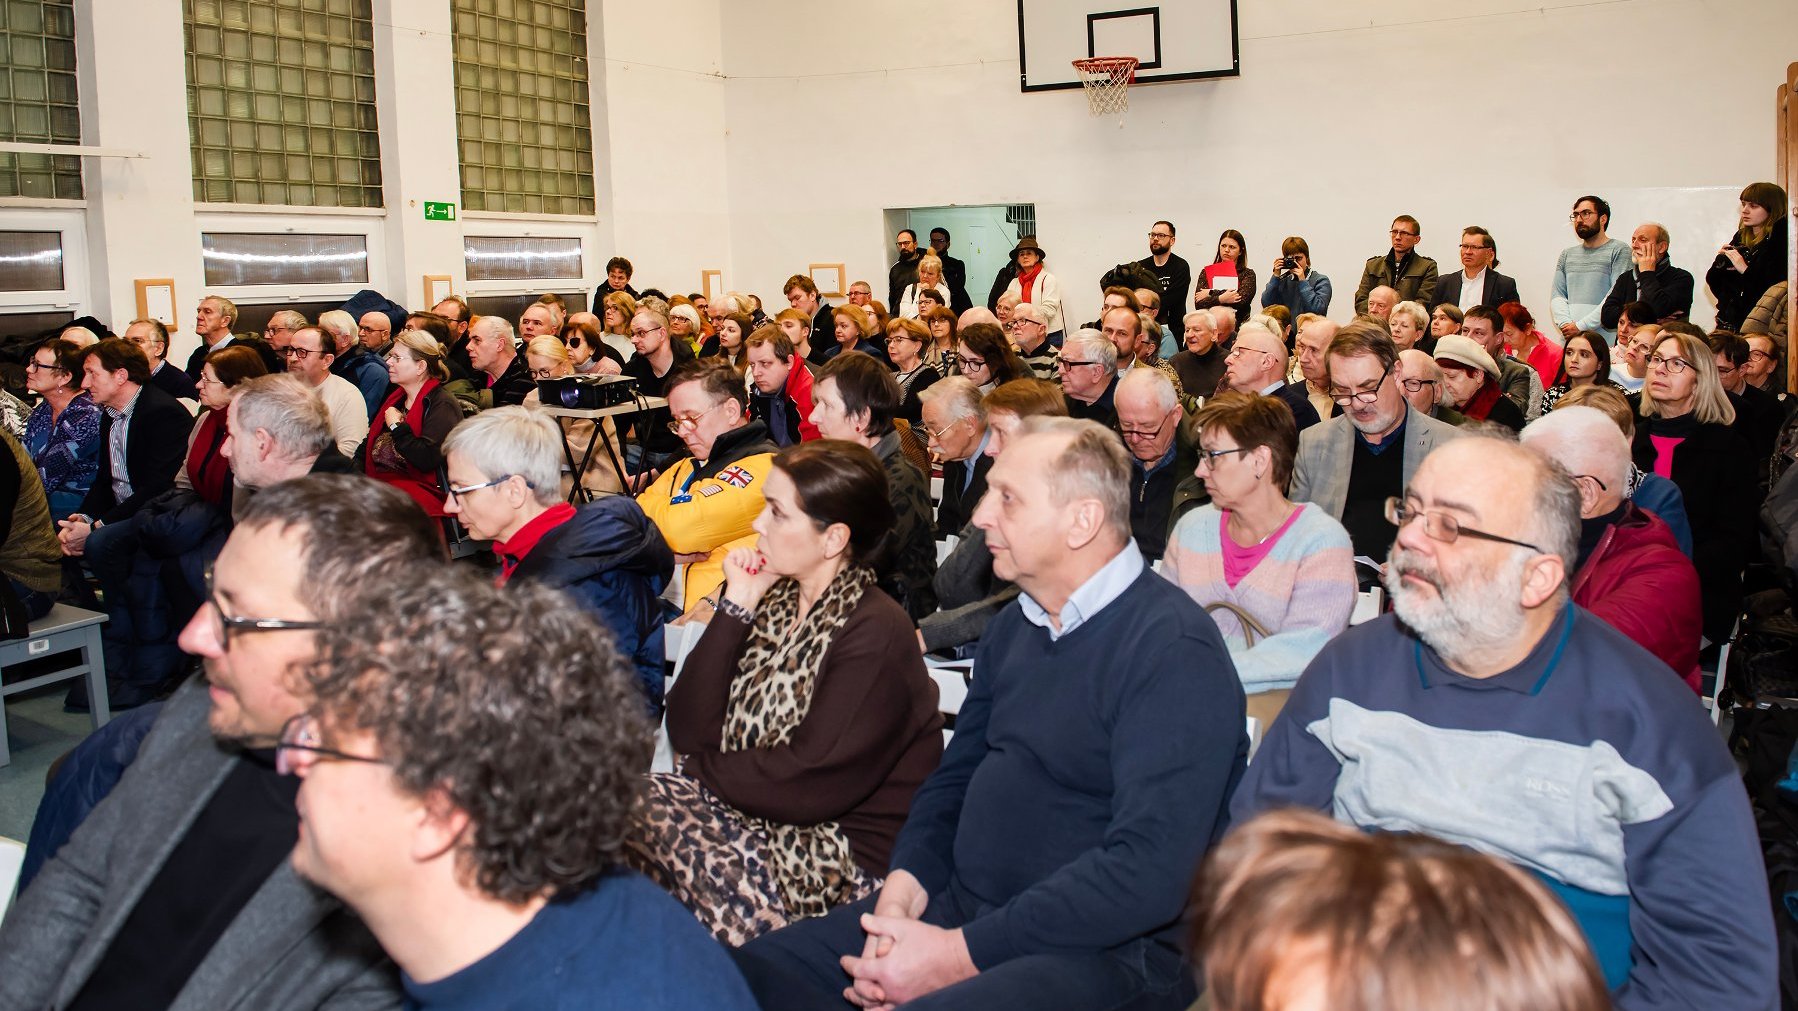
point(71, 223)
point(371, 224)
point(583, 229)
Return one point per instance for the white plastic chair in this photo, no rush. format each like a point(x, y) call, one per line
point(677, 642)
point(1254, 731)
point(945, 546)
point(1367, 605)
point(1713, 702)
point(12, 859)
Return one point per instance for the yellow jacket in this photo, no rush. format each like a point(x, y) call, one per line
point(710, 514)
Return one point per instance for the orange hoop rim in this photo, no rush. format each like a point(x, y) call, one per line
point(1108, 65)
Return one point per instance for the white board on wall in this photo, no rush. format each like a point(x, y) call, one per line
point(1182, 40)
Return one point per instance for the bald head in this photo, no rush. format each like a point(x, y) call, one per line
point(1588, 445)
point(1225, 319)
point(1257, 361)
point(1380, 302)
point(1417, 368)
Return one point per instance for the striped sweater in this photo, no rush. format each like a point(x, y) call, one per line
point(1303, 591)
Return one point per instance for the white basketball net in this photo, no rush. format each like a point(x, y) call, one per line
point(1107, 82)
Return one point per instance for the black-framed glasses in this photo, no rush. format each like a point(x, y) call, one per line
point(456, 492)
point(971, 364)
point(1440, 526)
point(1159, 235)
point(37, 366)
point(292, 352)
point(302, 743)
point(1414, 385)
point(1362, 396)
point(1577, 215)
point(1065, 364)
point(226, 624)
point(1402, 232)
point(1674, 366)
point(1208, 457)
point(1150, 434)
point(1592, 478)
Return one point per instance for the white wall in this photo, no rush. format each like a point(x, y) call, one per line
point(1347, 113)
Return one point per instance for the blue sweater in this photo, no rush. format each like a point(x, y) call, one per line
point(1087, 777)
point(1615, 789)
point(622, 944)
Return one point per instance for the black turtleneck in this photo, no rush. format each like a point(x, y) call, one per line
point(1591, 531)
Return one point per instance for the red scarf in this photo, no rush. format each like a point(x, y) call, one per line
point(1026, 279)
point(209, 471)
point(422, 486)
point(1482, 402)
point(523, 542)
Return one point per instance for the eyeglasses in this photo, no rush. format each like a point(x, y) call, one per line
point(1440, 526)
point(1475, 247)
point(1758, 353)
point(1208, 457)
point(1588, 477)
point(370, 329)
point(1362, 396)
point(301, 744)
point(1065, 364)
point(225, 624)
point(1577, 215)
point(543, 373)
point(938, 433)
point(1413, 385)
point(1674, 366)
point(972, 364)
point(1149, 434)
point(1725, 369)
point(682, 421)
point(1237, 351)
point(457, 493)
point(292, 352)
point(36, 366)
point(644, 333)
point(203, 381)
point(1399, 231)
point(1159, 235)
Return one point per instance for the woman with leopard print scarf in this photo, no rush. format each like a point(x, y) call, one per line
point(804, 719)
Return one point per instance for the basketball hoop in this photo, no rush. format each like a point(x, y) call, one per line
point(1107, 81)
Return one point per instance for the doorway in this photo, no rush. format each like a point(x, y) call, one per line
point(981, 236)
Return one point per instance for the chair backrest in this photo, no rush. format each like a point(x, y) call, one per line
point(1367, 605)
point(1254, 731)
point(12, 858)
point(677, 642)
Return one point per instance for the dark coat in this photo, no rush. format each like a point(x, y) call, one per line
point(957, 507)
point(1714, 469)
point(1416, 282)
point(900, 274)
point(270, 360)
point(1499, 290)
point(175, 382)
point(1667, 290)
point(1736, 293)
point(513, 385)
point(155, 448)
point(955, 275)
point(1300, 401)
point(613, 561)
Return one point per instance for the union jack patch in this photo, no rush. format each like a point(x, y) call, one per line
point(736, 477)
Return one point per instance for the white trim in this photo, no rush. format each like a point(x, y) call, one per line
point(20, 147)
point(570, 219)
point(202, 209)
point(42, 203)
point(71, 223)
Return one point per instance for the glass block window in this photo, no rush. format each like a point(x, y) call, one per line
point(281, 102)
point(520, 258)
point(37, 98)
point(234, 258)
point(521, 106)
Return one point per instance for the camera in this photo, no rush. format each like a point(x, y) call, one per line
point(1289, 263)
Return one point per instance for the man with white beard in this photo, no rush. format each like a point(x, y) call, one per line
point(1490, 711)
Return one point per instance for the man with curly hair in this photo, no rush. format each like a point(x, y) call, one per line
point(468, 771)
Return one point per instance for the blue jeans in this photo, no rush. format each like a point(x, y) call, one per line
point(796, 968)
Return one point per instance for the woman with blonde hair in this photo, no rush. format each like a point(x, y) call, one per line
point(1685, 436)
point(683, 322)
point(405, 442)
point(1754, 259)
point(549, 358)
point(616, 310)
point(1409, 323)
point(930, 276)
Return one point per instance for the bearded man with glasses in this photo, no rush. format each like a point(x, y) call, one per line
point(1352, 463)
point(1490, 710)
point(177, 891)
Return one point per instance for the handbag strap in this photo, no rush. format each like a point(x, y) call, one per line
point(1251, 629)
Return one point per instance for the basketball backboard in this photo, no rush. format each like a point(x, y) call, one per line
point(1182, 40)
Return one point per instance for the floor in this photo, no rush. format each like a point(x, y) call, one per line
point(39, 732)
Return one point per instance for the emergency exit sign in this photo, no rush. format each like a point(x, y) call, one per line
point(435, 211)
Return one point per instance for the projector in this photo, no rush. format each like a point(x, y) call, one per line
point(587, 392)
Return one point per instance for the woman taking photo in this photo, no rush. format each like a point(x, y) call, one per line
point(549, 358)
point(1528, 345)
point(803, 720)
point(986, 358)
point(1585, 361)
point(405, 443)
point(1293, 284)
point(1278, 578)
point(1685, 436)
point(62, 435)
point(1228, 279)
point(905, 346)
point(1754, 259)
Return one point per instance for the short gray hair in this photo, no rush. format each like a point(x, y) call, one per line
point(291, 319)
point(339, 324)
point(1584, 440)
point(960, 397)
point(645, 309)
point(1204, 317)
point(1094, 465)
point(492, 324)
point(512, 440)
point(1093, 346)
point(291, 412)
point(1151, 383)
point(1028, 309)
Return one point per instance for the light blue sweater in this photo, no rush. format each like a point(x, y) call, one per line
point(1583, 279)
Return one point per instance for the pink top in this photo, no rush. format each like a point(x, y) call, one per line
point(1664, 445)
point(1239, 561)
point(1545, 358)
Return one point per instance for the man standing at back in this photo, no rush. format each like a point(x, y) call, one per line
point(1044, 862)
point(955, 272)
point(1478, 282)
point(1652, 279)
point(1173, 271)
point(1586, 272)
point(1403, 269)
point(176, 891)
point(904, 270)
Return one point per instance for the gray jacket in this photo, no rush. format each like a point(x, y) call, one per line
point(291, 946)
point(1326, 451)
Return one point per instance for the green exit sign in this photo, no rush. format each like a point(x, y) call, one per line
point(435, 211)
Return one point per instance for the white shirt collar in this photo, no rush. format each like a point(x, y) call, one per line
point(1099, 590)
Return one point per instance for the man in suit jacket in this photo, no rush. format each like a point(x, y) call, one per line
point(1477, 282)
point(1257, 364)
point(1402, 269)
point(1347, 465)
point(177, 891)
point(955, 423)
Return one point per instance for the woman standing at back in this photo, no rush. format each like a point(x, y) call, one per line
point(1754, 259)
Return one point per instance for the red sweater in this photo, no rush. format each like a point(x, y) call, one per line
point(1639, 582)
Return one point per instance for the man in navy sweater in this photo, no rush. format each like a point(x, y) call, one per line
point(1044, 862)
point(468, 771)
point(1490, 711)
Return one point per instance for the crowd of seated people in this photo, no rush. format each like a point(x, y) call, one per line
point(1162, 526)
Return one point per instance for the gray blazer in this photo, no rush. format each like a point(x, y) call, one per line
point(1321, 473)
point(292, 945)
